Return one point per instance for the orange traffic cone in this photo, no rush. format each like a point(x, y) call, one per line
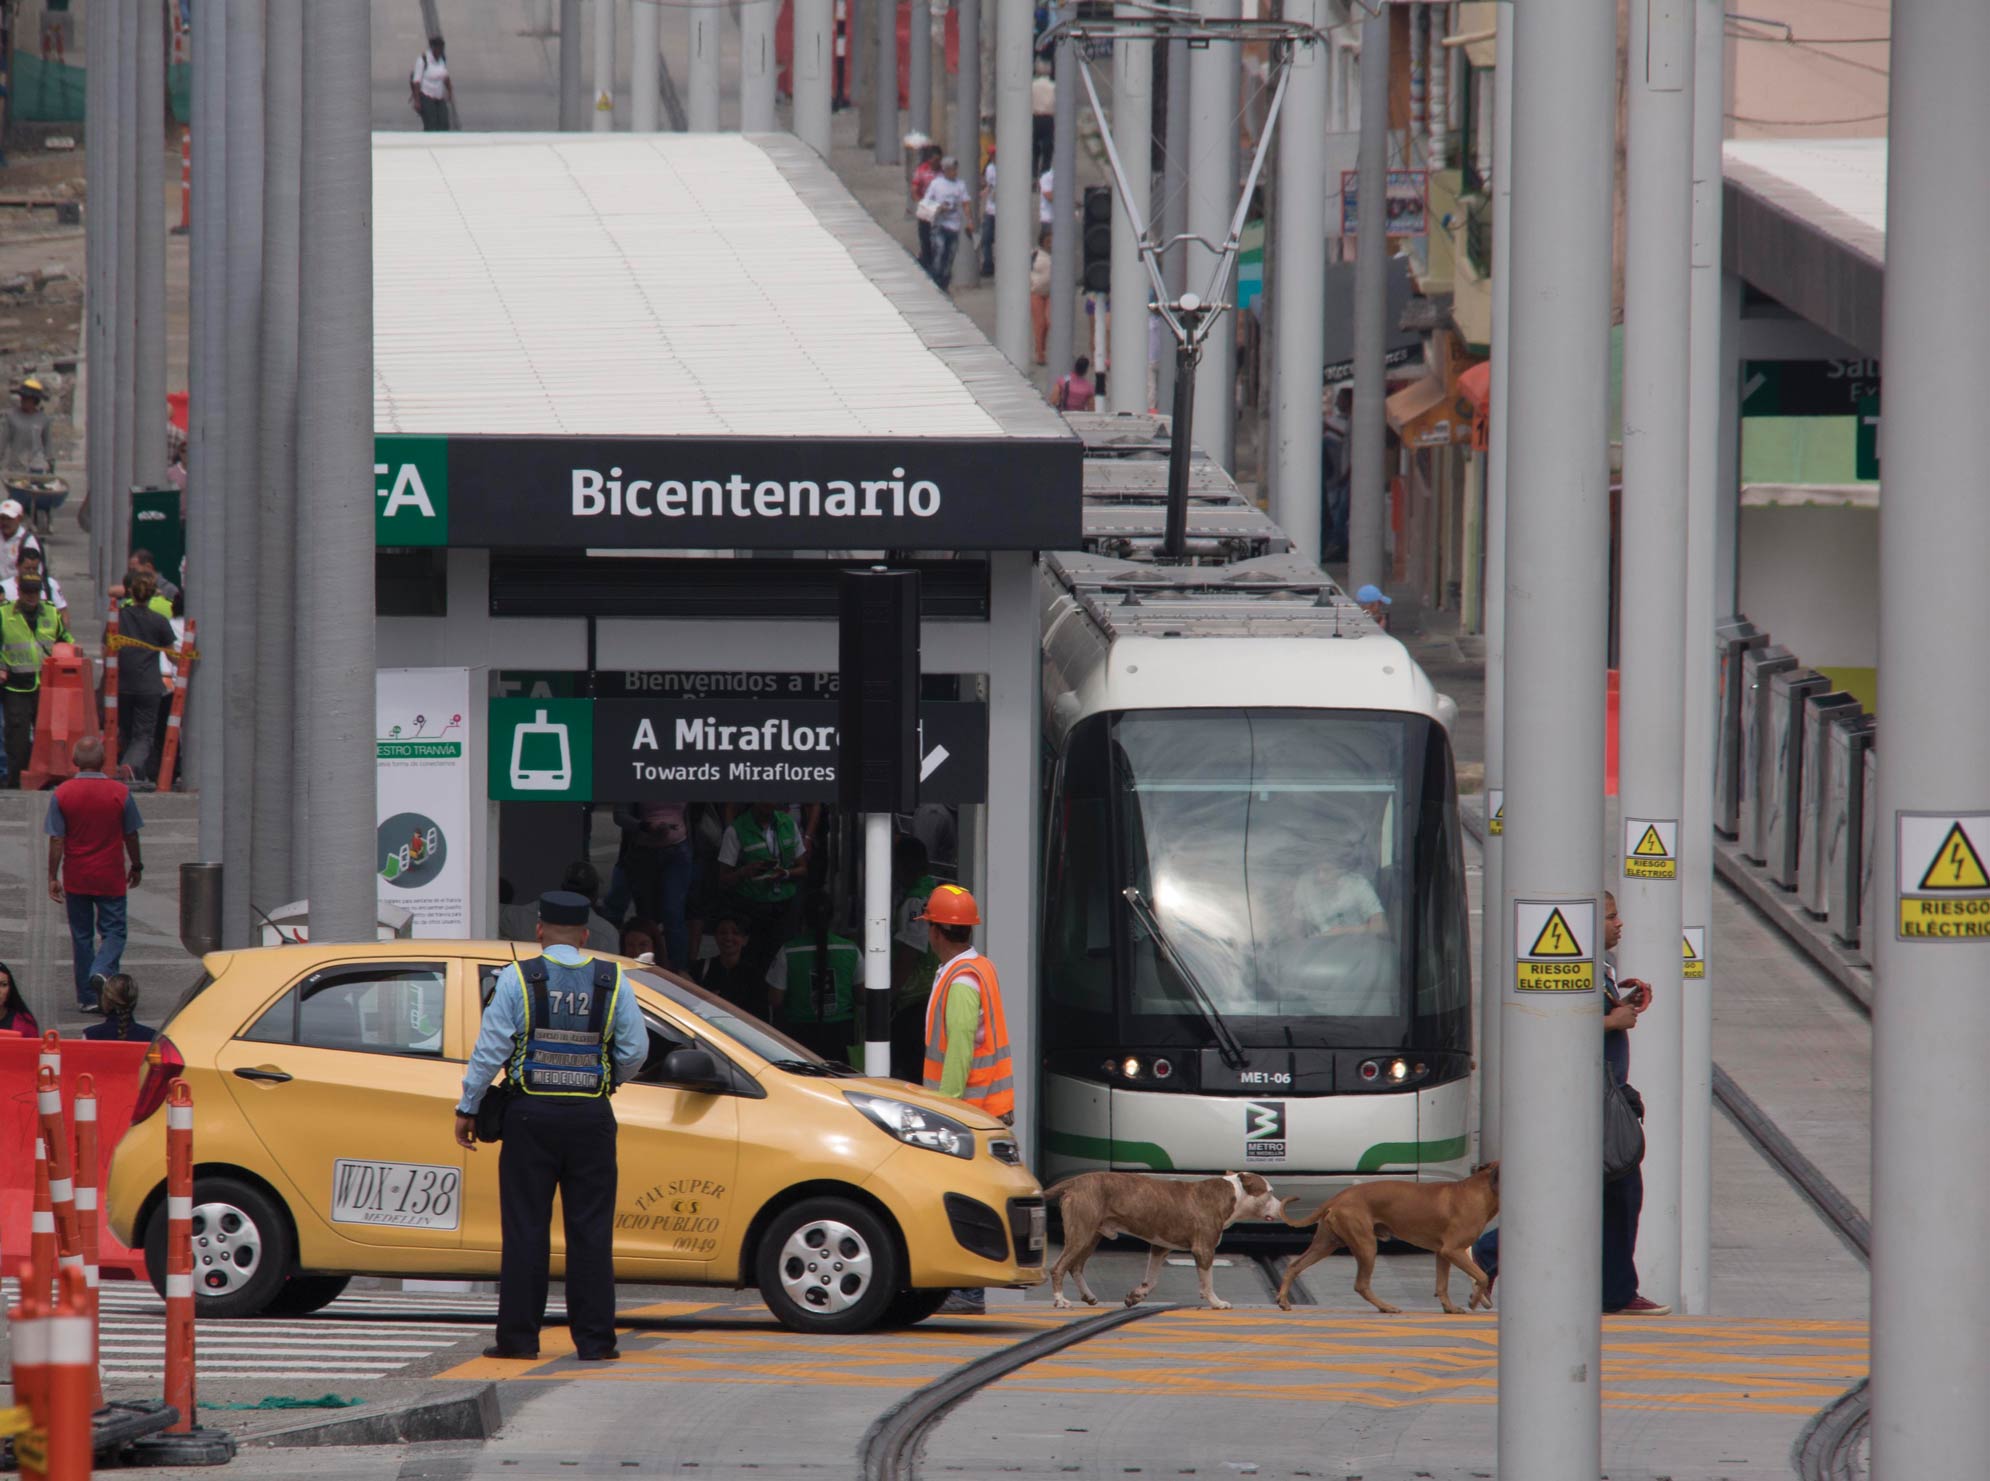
point(67, 714)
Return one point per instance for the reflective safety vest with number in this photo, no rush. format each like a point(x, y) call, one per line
point(564, 1046)
point(991, 1074)
point(753, 849)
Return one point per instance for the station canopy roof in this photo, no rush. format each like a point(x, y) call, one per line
point(705, 336)
point(1805, 223)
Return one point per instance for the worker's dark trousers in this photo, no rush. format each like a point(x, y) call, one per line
point(18, 710)
point(552, 1142)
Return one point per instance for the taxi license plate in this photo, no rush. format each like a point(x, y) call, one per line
point(1036, 1228)
point(406, 1195)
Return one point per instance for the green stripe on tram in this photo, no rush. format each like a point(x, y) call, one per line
point(1410, 1154)
point(1102, 1149)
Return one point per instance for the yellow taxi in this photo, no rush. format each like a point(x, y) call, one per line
point(324, 1081)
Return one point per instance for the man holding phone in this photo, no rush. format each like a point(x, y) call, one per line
point(760, 861)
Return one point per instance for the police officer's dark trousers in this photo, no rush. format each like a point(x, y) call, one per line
point(568, 1144)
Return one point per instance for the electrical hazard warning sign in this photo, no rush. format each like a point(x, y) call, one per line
point(1694, 964)
point(1943, 885)
point(1495, 811)
point(1556, 941)
point(1651, 848)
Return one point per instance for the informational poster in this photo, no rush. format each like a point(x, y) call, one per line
point(424, 850)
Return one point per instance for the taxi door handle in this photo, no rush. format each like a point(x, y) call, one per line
point(274, 1077)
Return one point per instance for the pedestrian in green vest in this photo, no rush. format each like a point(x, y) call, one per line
point(760, 863)
point(29, 631)
point(813, 984)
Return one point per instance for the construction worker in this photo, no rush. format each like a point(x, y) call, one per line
point(567, 1027)
point(967, 1034)
point(25, 441)
point(29, 630)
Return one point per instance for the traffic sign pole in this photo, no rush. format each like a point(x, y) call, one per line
point(1931, 1102)
point(1557, 536)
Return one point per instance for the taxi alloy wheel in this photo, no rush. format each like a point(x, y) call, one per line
point(828, 1265)
point(241, 1249)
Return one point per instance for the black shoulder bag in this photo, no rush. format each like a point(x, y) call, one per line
point(490, 1110)
point(1623, 1128)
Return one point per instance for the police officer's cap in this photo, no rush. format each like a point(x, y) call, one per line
point(563, 908)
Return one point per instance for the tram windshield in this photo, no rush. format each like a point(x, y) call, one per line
point(1301, 866)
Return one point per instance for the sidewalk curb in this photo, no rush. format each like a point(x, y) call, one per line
point(460, 1416)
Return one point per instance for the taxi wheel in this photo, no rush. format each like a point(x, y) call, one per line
point(909, 1308)
point(828, 1265)
point(241, 1249)
point(303, 1294)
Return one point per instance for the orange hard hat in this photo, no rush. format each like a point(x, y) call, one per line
point(950, 905)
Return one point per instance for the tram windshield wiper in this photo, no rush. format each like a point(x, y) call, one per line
point(1227, 1044)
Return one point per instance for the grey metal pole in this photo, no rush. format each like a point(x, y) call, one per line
point(100, 254)
point(815, 68)
point(243, 500)
point(756, 66)
point(1550, 1413)
point(1133, 137)
point(335, 465)
point(276, 773)
point(860, 20)
point(886, 149)
point(1368, 485)
point(1066, 199)
point(207, 474)
point(126, 420)
point(573, 103)
point(1696, 808)
point(645, 45)
point(1173, 210)
point(1931, 1105)
point(1299, 304)
point(603, 120)
point(877, 934)
point(1015, 219)
point(705, 22)
point(919, 70)
point(149, 450)
point(1495, 930)
point(1652, 655)
point(1215, 81)
point(965, 144)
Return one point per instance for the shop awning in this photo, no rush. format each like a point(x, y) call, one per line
point(1422, 414)
point(1475, 387)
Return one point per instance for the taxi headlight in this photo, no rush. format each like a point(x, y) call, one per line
point(915, 1125)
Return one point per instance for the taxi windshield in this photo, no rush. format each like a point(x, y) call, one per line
point(743, 1029)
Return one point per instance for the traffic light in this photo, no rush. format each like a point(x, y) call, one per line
point(1098, 239)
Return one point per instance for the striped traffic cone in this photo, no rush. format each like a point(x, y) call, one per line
point(85, 1113)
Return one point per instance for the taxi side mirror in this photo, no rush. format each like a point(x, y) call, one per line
point(693, 1069)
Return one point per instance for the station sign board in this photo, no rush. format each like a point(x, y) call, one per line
point(724, 750)
point(668, 684)
point(1807, 388)
point(750, 493)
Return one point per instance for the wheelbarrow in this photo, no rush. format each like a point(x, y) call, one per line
point(41, 494)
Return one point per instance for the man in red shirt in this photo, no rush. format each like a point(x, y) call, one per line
point(92, 825)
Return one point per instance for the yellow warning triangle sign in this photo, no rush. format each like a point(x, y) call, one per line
point(1957, 865)
point(1690, 955)
point(1556, 939)
point(1651, 846)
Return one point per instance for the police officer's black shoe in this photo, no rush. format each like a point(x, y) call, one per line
point(505, 1352)
point(614, 1354)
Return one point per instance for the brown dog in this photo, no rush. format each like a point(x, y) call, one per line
point(1168, 1215)
point(1441, 1217)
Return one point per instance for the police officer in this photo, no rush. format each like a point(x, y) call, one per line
point(568, 1031)
point(29, 631)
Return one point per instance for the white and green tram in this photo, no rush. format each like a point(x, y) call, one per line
point(1254, 943)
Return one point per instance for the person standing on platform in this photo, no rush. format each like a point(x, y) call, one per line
point(92, 828)
point(430, 92)
point(813, 984)
point(567, 1029)
point(140, 689)
point(120, 1004)
point(29, 631)
point(951, 205)
point(760, 860)
point(1043, 118)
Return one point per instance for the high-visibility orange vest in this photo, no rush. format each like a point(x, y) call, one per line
point(991, 1075)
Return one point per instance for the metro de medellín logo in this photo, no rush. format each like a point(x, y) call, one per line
point(1264, 1131)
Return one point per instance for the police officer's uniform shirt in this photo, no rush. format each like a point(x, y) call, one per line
point(504, 1021)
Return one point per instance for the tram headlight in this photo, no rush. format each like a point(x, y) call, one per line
point(1130, 1068)
point(1399, 1071)
point(915, 1125)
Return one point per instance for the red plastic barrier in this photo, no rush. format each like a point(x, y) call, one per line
point(116, 1070)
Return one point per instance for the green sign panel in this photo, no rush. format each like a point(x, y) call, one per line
point(1806, 388)
point(410, 490)
point(542, 750)
point(1865, 444)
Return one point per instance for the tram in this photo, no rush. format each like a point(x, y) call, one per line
point(1254, 942)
